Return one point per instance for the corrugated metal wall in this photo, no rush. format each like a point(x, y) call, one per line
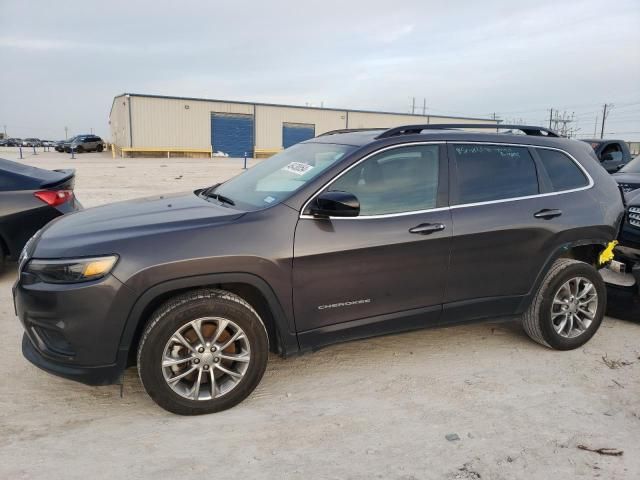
point(167, 122)
point(269, 121)
point(119, 121)
point(366, 120)
point(186, 123)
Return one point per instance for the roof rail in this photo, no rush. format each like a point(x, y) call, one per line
point(409, 129)
point(348, 130)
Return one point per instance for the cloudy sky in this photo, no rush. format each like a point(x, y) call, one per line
point(62, 62)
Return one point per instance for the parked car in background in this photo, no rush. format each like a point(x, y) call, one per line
point(29, 198)
point(628, 177)
point(48, 143)
point(344, 236)
point(59, 145)
point(613, 154)
point(32, 142)
point(3, 142)
point(14, 142)
point(84, 143)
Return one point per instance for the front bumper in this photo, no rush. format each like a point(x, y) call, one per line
point(74, 330)
point(101, 375)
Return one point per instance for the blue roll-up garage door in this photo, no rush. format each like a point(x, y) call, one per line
point(232, 134)
point(293, 133)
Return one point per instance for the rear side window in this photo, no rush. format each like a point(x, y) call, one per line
point(563, 172)
point(487, 172)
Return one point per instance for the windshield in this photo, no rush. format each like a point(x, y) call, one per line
point(278, 177)
point(632, 167)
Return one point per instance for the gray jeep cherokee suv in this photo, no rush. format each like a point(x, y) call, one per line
point(348, 235)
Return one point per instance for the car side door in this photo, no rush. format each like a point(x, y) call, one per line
point(508, 219)
point(385, 269)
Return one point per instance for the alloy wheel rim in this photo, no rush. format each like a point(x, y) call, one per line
point(574, 307)
point(206, 358)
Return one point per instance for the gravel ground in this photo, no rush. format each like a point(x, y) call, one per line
point(378, 408)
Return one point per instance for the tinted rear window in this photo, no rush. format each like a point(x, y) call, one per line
point(488, 172)
point(563, 172)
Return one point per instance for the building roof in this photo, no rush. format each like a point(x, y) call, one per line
point(290, 106)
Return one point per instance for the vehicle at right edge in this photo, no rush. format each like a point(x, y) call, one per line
point(623, 274)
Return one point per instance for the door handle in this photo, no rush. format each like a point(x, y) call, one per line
point(427, 228)
point(548, 214)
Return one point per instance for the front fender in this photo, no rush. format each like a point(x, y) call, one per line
point(287, 339)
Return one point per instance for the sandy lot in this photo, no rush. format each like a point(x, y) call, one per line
point(378, 408)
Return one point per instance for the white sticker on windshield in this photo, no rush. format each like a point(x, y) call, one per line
point(269, 199)
point(298, 168)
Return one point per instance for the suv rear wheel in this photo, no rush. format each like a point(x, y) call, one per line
point(568, 307)
point(202, 352)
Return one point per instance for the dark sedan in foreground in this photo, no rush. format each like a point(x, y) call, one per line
point(29, 198)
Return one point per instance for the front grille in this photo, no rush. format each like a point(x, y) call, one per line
point(634, 216)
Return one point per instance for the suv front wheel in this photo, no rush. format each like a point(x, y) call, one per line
point(202, 352)
point(569, 306)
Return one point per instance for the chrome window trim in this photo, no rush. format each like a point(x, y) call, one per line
point(589, 185)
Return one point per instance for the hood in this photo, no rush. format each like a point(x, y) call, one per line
point(100, 230)
point(628, 181)
point(633, 198)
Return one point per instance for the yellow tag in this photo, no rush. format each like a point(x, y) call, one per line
point(607, 254)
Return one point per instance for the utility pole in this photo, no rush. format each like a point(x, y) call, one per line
point(91, 130)
point(5, 131)
point(604, 117)
point(424, 107)
point(550, 117)
point(66, 136)
point(413, 106)
point(496, 119)
point(595, 127)
point(560, 122)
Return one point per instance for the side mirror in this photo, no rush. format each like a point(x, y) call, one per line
point(335, 204)
point(607, 157)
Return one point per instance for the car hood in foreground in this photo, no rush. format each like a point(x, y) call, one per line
point(100, 230)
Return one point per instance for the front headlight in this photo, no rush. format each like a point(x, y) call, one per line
point(71, 270)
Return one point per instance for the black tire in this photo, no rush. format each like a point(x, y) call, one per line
point(100, 148)
point(537, 321)
point(79, 150)
point(181, 310)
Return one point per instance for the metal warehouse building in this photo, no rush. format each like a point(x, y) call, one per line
point(153, 124)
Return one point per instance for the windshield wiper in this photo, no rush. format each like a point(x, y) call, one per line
point(209, 193)
point(221, 198)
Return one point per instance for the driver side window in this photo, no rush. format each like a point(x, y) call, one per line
point(399, 180)
point(614, 151)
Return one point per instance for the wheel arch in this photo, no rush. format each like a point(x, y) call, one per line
point(251, 288)
point(586, 251)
